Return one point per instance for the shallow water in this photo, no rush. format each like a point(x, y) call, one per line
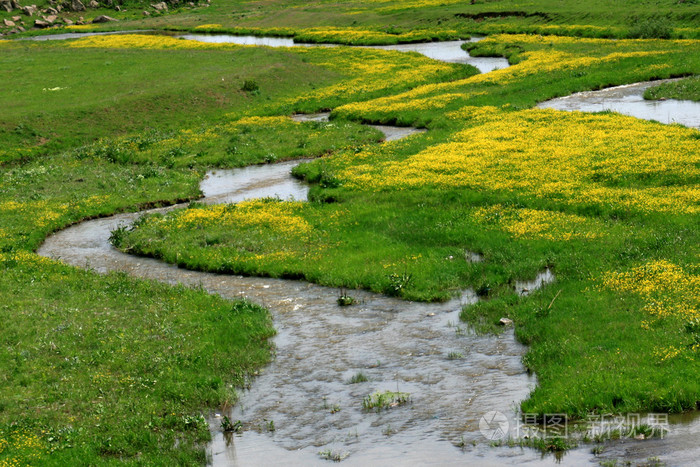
point(448, 51)
point(397, 345)
point(629, 100)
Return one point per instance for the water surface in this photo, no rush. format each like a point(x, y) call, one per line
point(448, 51)
point(629, 100)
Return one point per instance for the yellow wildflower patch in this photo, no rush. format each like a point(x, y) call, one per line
point(575, 158)
point(282, 217)
point(81, 27)
point(263, 121)
point(670, 291)
point(20, 447)
point(143, 41)
point(372, 70)
point(668, 353)
point(535, 223)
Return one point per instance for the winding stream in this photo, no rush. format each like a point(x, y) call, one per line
point(447, 51)
point(454, 377)
point(629, 100)
point(320, 346)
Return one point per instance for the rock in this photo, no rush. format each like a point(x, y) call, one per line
point(161, 6)
point(15, 5)
point(190, 4)
point(639, 436)
point(67, 22)
point(50, 19)
point(103, 19)
point(51, 11)
point(6, 5)
point(505, 321)
point(29, 10)
point(41, 24)
point(77, 5)
point(146, 13)
point(16, 18)
point(93, 4)
point(117, 8)
point(8, 23)
point(21, 29)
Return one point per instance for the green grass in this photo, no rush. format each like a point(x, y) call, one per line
point(358, 377)
point(598, 18)
point(685, 89)
point(370, 226)
point(106, 369)
point(121, 92)
point(102, 369)
point(379, 401)
point(114, 368)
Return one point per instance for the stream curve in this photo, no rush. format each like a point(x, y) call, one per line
point(629, 100)
point(320, 346)
point(398, 345)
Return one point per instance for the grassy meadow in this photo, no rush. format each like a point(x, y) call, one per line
point(387, 22)
point(109, 369)
point(104, 369)
point(526, 189)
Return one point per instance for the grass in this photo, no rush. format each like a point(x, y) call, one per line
point(685, 89)
point(389, 22)
point(91, 376)
point(104, 369)
point(98, 368)
point(379, 401)
point(358, 377)
point(344, 299)
point(408, 21)
point(527, 189)
point(332, 455)
point(122, 92)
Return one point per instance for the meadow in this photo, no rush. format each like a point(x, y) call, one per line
point(525, 188)
point(101, 369)
point(109, 369)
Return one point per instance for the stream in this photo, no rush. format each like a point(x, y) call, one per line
point(303, 404)
point(304, 392)
point(302, 407)
point(447, 51)
point(629, 100)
